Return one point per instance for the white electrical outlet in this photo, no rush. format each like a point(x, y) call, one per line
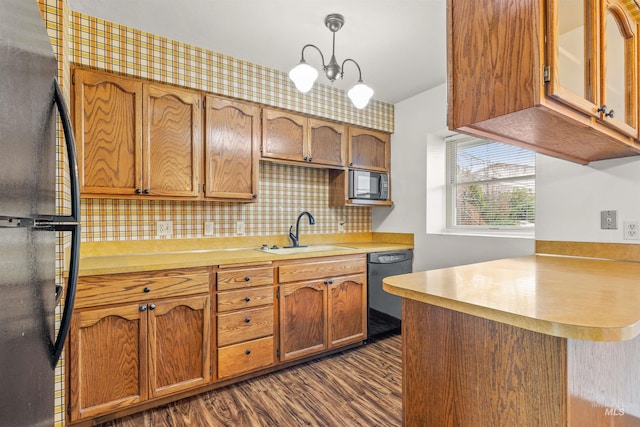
point(631, 230)
point(164, 228)
point(240, 228)
point(208, 228)
point(341, 226)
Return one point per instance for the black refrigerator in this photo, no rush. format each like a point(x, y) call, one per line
point(30, 106)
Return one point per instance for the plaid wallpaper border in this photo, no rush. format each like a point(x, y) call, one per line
point(284, 192)
point(104, 45)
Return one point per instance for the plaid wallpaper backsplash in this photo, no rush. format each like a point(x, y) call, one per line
point(284, 192)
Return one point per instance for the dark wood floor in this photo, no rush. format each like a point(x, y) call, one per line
point(360, 387)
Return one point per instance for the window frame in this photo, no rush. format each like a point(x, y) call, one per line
point(451, 192)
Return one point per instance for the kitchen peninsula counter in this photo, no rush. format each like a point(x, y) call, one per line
point(538, 340)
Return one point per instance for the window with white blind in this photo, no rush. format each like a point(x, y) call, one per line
point(490, 185)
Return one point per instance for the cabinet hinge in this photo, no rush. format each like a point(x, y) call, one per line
point(73, 78)
point(277, 293)
point(278, 352)
point(203, 192)
point(547, 74)
point(204, 103)
point(210, 370)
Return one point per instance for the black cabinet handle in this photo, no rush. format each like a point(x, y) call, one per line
point(247, 320)
point(310, 159)
point(247, 278)
point(306, 159)
point(147, 191)
point(146, 290)
point(331, 282)
point(143, 307)
point(247, 299)
point(326, 282)
point(138, 191)
point(152, 307)
point(603, 110)
point(247, 351)
point(255, 196)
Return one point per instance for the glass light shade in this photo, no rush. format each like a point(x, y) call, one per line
point(360, 95)
point(303, 76)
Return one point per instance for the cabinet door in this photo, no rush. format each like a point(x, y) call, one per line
point(108, 130)
point(232, 147)
point(327, 143)
point(179, 352)
point(108, 360)
point(573, 54)
point(172, 141)
point(303, 328)
point(369, 149)
point(347, 310)
point(284, 135)
point(619, 68)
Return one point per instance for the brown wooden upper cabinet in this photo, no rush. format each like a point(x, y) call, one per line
point(369, 149)
point(136, 139)
point(232, 149)
point(295, 138)
point(172, 149)
point(108, 131)
point(553, 76)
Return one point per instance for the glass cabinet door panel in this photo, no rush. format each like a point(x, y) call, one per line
point(619, 69)
point(572, 56)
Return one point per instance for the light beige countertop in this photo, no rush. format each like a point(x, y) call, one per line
point(136, 256)
point(570, 297)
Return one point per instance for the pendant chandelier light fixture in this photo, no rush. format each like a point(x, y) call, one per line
point(304, 75)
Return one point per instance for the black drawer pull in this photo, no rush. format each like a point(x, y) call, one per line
point(247, 320)
point(247, 351)
point(247, 299)
point(143, 307)
point(146, 290)
point(247, 278)
point(152, 307)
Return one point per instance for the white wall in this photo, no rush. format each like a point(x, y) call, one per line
point(417, 120)
point(569, 198)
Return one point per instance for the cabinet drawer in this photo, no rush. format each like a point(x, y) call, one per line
point(247, 277)
point(133, 287)
point(244, 357)
point(245, 325)
point(321, 268)
point(245, 298)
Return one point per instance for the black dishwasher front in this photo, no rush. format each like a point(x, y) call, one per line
point(384, 309)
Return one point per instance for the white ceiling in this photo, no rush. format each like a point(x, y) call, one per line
point(400, 45)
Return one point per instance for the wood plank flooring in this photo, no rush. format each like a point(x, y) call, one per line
point(359, 387)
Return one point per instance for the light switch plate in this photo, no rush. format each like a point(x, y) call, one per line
point(208, 228)
point(609, 220)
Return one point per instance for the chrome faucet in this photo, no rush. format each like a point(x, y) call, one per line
point(294, 237)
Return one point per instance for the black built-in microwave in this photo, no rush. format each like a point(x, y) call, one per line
point(368, 185)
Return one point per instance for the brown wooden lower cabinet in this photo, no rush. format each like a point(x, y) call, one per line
point(179, 344)
point(141, 339)
point(154, 343)
point(318, 315)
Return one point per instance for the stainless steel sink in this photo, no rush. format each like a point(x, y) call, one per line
point(304, 249)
